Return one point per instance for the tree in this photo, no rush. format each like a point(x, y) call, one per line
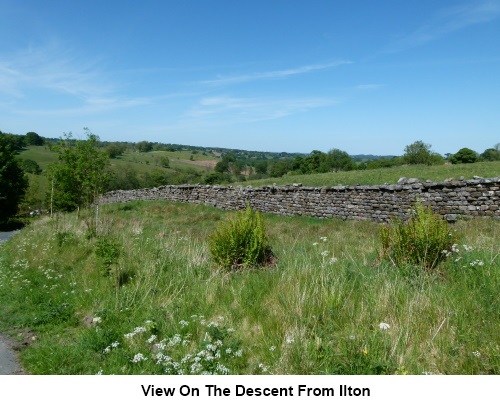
point(338, 160)
point(30, 166)
point(80, 174)
point(491, 154)
point(418, 153)
point(115, 149)
point(280, 168)
point(144, 146)
point(464, 155)
point(32, 138)
point(13, 182)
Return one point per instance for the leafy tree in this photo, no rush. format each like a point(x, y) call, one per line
point(32, 138)
point(30, 166)
point(115, 149)
point(80, 174)
point(217, 178)
point(261, 167)
point(418, 153)
point(144, 146)
point(13, 182)
point(464, 155)
point(280, 168)
point(162, 161)
point(338, 160)
point(491, 154)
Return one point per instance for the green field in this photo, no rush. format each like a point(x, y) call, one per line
point(143, 297)
point(387, 175)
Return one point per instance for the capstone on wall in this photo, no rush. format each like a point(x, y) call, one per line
point(452, 199)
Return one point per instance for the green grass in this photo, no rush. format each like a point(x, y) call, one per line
point(40, 154)
point(386, 175)
point(316, 311)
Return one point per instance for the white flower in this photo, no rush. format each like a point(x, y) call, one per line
point(315, 244)
point(476, 354)
point(151, 339)
point(139, 357)
point(97, 319)
point(324, 253)
point(272, 348)
point(323, 238)
point(384, 326)
point(290, 340)
point(333, 260)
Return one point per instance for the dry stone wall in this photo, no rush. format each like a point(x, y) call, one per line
point(452, 199)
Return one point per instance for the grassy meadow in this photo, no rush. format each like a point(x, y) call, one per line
point(388, 175)
point(141, 296)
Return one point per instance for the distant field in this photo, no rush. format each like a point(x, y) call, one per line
point(40, 154)
point(386, 175)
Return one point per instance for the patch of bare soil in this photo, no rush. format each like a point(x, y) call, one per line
point(210, 164)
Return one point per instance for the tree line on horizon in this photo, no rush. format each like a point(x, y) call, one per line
point(82, 170)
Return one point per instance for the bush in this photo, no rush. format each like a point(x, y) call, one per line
point(424, 240)
point(241, 242)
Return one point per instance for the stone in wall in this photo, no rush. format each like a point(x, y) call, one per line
point(452, 199)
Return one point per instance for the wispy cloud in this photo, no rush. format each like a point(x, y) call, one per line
point(273, 74)
point(368, 87)
point(449, 20)
point(232, 109)
point(51, 67)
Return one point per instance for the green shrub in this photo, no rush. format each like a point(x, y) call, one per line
point(108, 250)
point(424, 240)
point(241, 242)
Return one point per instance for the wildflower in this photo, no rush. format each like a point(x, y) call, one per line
point(365, 351)
point(272, 348)
point(352, 337)
point(152, 339)
point(183, 323)
point(315, 244)
point(99, 372)
point(115, 344)
point(324, 253)
point(290, 340)
point(239, 353)
point(333, 260)
point(384, 326)
point(139, 357)
point(476, 354)
point(96, 320)
point(323, 238)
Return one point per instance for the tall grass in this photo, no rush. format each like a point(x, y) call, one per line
point(329, 305)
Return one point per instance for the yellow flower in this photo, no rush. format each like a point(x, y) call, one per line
point(365, 351)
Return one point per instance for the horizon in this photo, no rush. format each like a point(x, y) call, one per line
point(277, 77)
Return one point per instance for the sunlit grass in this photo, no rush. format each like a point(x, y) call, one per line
point(386, 175)
point(317, 310)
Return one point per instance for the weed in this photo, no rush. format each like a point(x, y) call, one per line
point(241, 242)
point(423, 240)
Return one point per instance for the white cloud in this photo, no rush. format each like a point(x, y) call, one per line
point(449, 20)
point(225, 109)
point(274, 74)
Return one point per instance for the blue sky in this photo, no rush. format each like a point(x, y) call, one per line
point(362, 76)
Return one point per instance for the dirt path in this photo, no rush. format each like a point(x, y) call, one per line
point(8, 359)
